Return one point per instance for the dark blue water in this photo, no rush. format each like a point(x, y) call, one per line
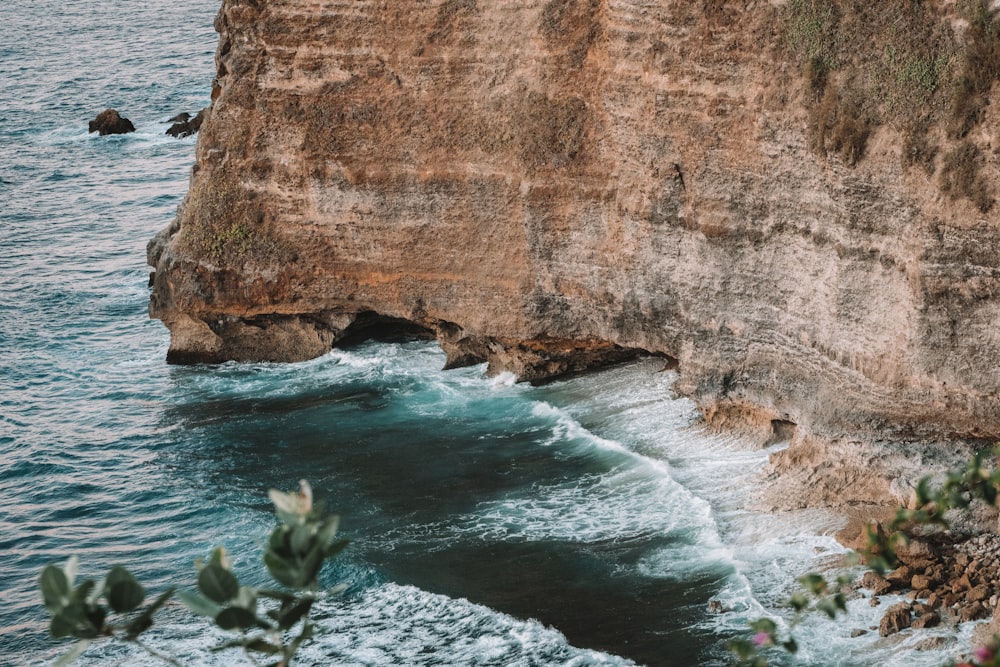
point(587, 522)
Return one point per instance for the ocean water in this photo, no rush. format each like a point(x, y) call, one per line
point(586, 522)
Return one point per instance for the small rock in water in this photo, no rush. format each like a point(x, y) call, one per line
point(858, 632)
point(716, 606)
point(874, 582)
point(184, 125)
point(896, 618)
point(110, 121)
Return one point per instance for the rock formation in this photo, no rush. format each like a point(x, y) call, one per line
point(184, 125)
point(110, 121)
point(550, 185)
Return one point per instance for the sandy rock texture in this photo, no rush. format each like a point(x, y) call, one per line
point(554, 184)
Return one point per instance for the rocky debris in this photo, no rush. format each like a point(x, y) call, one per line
point(110, 121)
point(858, 632)
point(928, 620)
point(875, 582)
point(184, 125)
point(896, 618)
point(947, 578)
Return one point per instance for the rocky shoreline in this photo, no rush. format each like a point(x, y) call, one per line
point(946, 579)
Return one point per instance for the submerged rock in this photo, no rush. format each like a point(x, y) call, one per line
point(110, 121)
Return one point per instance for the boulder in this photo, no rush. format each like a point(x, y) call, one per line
point(973, 612)
point(978, 593)
point(184, 125)
point(900, 577)
point(916, 550)
point(875, 582)
point(110, 121)
point(928, 620)
point(896, 618)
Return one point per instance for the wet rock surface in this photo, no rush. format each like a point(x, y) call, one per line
point(184, 124)
point(110, 121)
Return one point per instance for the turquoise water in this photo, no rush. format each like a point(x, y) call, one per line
point(587, 522)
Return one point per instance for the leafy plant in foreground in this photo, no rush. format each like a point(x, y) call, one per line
point(272, 623)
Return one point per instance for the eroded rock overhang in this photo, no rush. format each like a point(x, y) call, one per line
point(552, 186)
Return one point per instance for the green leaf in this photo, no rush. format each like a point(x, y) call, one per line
point(95, 615)
point(302, 539)
point(62, 625)
point(55, 588)
point(124, 593)
point(217, 583)
point(144, 621)
point(277, 539)
point(246, 598)
point(139, 625)
point(328, 530)
point(814, 583)
point(199, 604)
point(71, 655)
point(160, 601)
point(232, 618)
point(311, 565)
point(71, 568)
point(828, 606)
point(286, 619)
point(742, 648)
point(85, 593)
point(282, 571)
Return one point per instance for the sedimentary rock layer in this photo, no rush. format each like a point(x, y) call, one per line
point(549, 185)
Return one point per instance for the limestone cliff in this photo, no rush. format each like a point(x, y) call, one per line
point(552, 184)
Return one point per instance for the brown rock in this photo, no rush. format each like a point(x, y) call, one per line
point(978, 593)
point(184, 125)
point(110, 122)
point(961, 584)
point(900, 577)
point(928, 620)
point(933, 643)
point(972, 612)
point(921, 582)
point(916, 550)
point(874, 582)
point(896, 618)
point(858, 632)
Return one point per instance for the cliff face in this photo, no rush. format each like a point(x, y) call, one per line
point(554, 184)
